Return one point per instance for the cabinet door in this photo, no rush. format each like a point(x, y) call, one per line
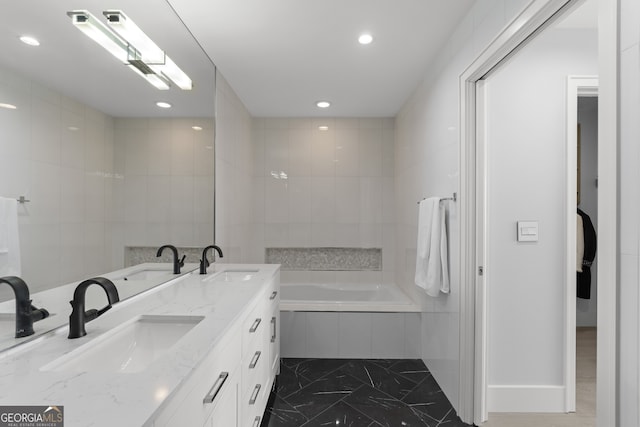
point(225, 414)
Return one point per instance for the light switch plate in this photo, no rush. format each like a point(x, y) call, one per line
point(527, 231)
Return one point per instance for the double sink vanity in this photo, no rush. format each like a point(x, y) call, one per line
point(184, 349)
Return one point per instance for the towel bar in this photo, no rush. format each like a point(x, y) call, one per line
point(22, 199)
point(453, 198)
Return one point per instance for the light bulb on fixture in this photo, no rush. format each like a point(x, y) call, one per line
point(323, 104)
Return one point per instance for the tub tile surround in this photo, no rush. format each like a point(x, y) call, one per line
point(357, 392)
point(350, 335)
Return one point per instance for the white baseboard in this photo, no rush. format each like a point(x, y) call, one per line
point(528, 398)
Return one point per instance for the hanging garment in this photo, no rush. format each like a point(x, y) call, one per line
point(579, 243)
point(583, 280)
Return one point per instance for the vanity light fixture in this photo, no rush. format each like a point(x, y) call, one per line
point(31, 41)
point(163, 104)
point(132, 47)
point(7, 106)
point(365, 39)
point(323, 104)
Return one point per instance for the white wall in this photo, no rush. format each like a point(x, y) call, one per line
point(337, 189)
point(427, 164)
point(59, 154)
point(526, 134)
point(164, 194)
point(586, 310)
point(629, 215)
point(233, 171)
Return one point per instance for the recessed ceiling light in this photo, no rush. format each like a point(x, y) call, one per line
point(7, 106)
point(196, 127)
point(365, 39)
point(31, 41)
point(163, 104)
point(323, 127)
point(323, 104)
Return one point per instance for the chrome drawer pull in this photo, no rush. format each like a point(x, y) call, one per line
point(216, 387)
point(254, 395)
point(256, 422)
point(254, 360)
point(273, 335)
point(273, 295)
point(255, 325)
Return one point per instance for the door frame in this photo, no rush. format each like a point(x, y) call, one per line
point(537, 15)
point(576, 86)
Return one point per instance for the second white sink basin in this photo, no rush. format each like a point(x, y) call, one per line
point(131, 347)
point(234, 276)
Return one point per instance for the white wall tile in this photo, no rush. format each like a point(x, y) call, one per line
point(347, 152)
point(300, 158)
point(323, 154)
point(322, 334)
point(299, 200)
point(388, 335)
point(354, 335)
point(323, 200)
point(347, 199)
point(277, 210)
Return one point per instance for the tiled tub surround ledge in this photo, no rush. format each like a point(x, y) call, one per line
point(140, 398)
point(130, 281)
point(325, 259)
point(348, 321)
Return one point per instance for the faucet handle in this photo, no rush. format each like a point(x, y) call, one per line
point(182, 260)
point(93, 314)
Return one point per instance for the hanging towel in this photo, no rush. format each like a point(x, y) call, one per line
point(9, 242)
point(432, 265)
point(580, 243)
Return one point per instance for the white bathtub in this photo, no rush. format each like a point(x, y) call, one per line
point(344, 297)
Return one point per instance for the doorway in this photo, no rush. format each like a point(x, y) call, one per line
point(473, 257)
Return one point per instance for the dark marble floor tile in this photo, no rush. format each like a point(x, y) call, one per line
point(384, 409)
point(413, 369)
point(291, 361)
point(385, 363)
point(280, 414)
point(452, 420)
point(289, 382)
point(341, 414)
point(379, 378)
point(314, 369)
point(323, 393)
point(428, 398)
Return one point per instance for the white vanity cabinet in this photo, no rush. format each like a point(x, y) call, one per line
point(230, 388)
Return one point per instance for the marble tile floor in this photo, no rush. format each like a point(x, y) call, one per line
point(357, 393)
point(585, 393)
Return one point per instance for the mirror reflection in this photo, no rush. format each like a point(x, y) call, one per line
point(99, 165)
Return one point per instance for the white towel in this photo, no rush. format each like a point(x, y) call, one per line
point(9, 241)
point(432, 265)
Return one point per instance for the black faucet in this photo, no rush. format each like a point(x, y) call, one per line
point(176, 263)
point(26, 313)
point(204, 262)
point(78, 316)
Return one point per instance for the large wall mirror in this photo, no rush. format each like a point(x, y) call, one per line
point(82, 139)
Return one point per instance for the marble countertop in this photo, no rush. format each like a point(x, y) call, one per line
point(56, 300)
point(131, 399)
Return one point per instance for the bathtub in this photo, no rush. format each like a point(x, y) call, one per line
point(367, 321)
point(344, 297)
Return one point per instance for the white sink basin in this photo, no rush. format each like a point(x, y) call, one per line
point(144, 275)
point(131, 347)
point(234, 276)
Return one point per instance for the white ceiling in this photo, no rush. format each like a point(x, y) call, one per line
point(280, 56)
